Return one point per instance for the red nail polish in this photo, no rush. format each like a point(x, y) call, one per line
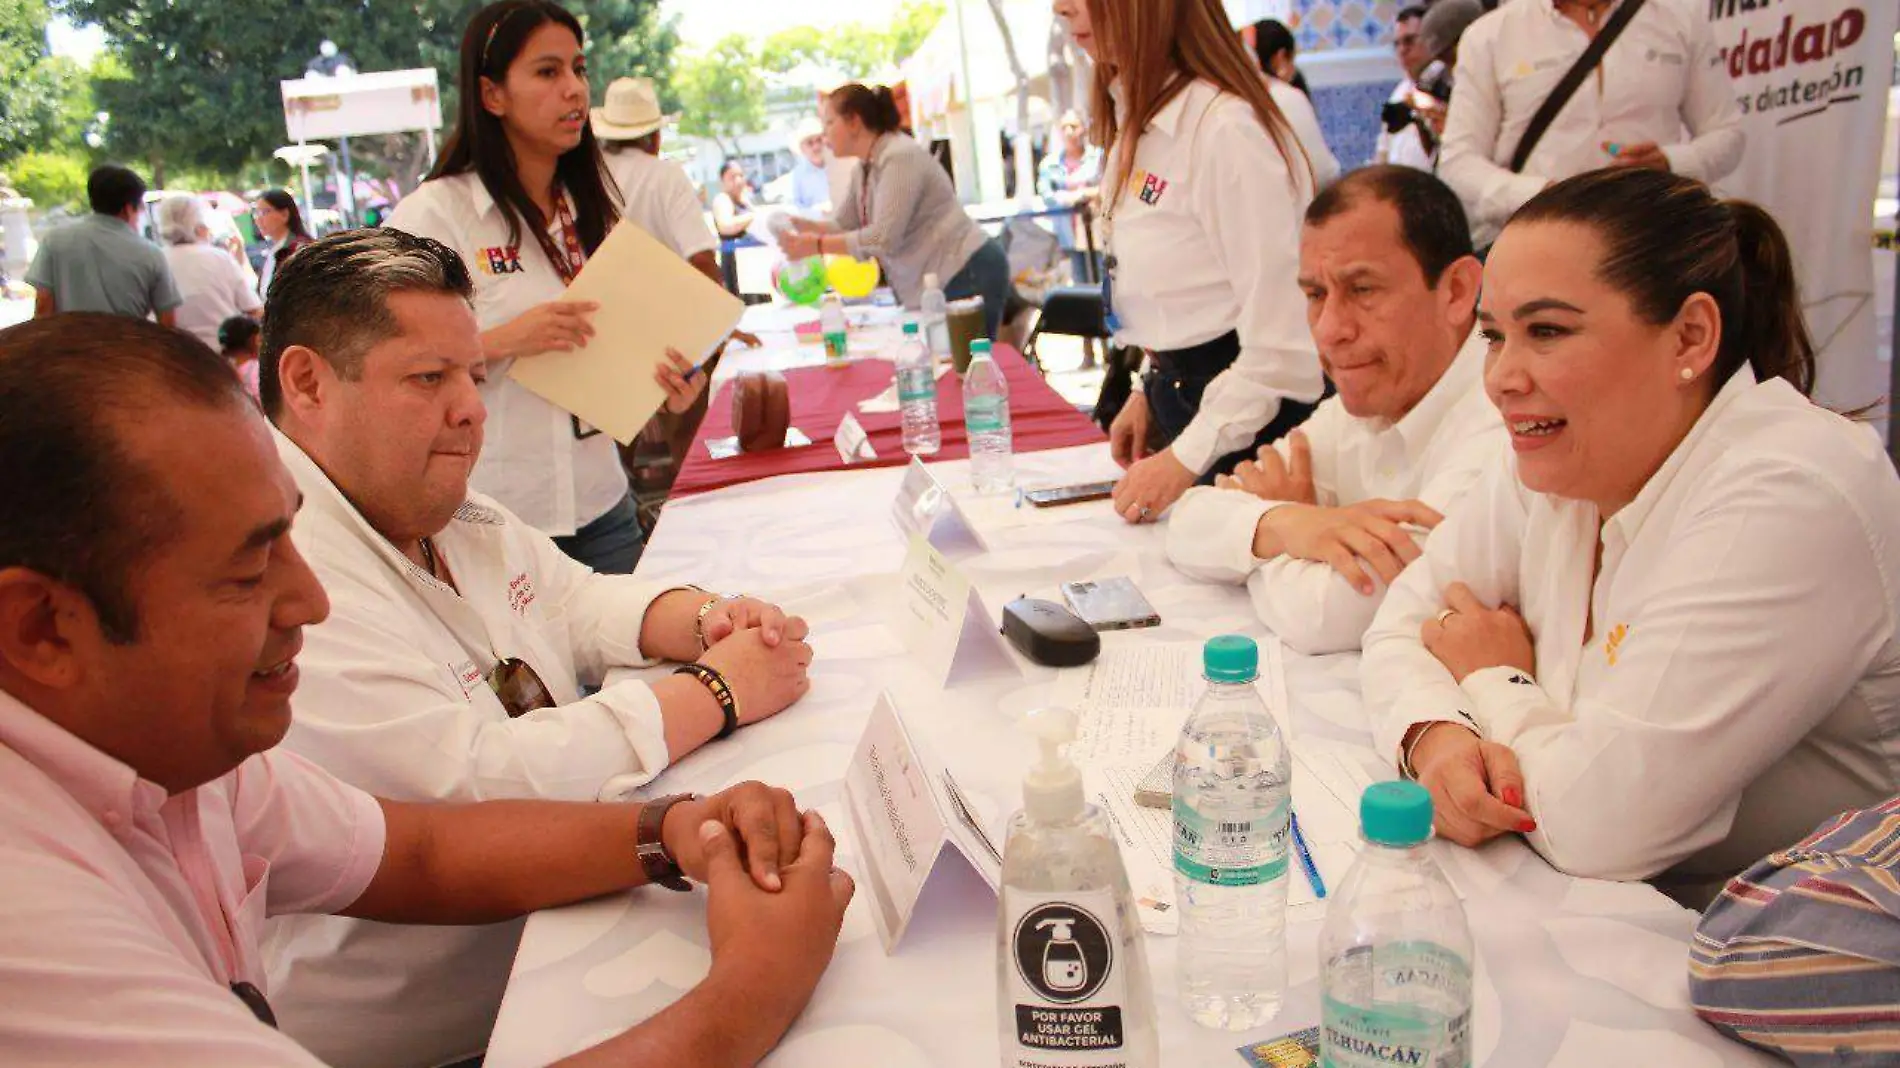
point(1527, 826)
point(1513, 797)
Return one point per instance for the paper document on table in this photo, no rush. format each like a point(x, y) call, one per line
point(1107, 736)
point(1149, 675)
point(650, 300)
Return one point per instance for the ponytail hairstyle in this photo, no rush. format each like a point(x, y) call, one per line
point(1270, 38)
point(494, 38)
point(875, 108)
point(1667, 238)
point(1155, 49)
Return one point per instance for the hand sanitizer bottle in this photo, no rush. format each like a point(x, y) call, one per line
point(1071, 967)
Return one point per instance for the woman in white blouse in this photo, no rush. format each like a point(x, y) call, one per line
point(1203, 187)
point(1659, 637)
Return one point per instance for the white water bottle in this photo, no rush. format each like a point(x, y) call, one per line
point(986, 418)
point(1232, 807)
point(917, 395)
point(1071, 963)
point(934, 315)
point(1395, 954)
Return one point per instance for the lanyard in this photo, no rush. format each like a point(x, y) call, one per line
point(567, 262)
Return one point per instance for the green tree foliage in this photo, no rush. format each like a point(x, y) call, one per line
point(853, 49)
point(50, 179)
point(722, 93)
point(914, 22)
point(33, 105)
point(199, 86)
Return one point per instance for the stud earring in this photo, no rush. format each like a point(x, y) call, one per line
point(1688, 374)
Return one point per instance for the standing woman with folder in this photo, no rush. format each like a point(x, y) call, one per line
point(1204, 186)
point(521, 194)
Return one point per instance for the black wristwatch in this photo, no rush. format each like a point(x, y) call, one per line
point(660, 867)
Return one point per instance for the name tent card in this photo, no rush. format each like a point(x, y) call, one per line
point(925, 506)
point(940, 618)
point(904, 818)
point(854, 445)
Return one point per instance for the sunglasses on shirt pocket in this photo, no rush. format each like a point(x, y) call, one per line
point(520, 691)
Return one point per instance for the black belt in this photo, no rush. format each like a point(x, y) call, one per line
point(1207, 359)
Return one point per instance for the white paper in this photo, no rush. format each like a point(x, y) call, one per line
point(1151, 675)
point(650, 300)
point(854, 445)
point(1107, 736)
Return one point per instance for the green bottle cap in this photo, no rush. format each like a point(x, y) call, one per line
point(910, 328)
point(1230, 658)
point(979, 347)
point(1396, 814)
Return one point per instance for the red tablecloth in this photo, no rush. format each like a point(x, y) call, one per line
point(820, 396)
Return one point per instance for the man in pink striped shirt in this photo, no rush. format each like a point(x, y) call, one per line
point(151, 610)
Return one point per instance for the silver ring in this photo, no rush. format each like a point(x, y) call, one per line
point(1145, 512)
point(1446, 614)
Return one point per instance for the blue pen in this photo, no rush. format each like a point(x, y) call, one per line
point(1306, 858)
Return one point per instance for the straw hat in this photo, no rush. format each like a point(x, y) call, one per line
point(631, 112)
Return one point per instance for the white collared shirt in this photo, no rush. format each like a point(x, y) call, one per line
point(126, 913)
point(1206, 240)
point(213, 287)
point(1432, 454)
point(657, 196)
point(1664, 74)
point(532, 461)
point(1739, 680)
point(1300, 115)
point(394, 700)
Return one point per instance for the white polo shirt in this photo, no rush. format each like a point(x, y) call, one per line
point(126, 912)
point(1206, 240)
point(657, 196)
point(394, 700)
point(1663, 76)
point(1433, 454)
point(532, 461)
point(1405, 148)
point(1729, 679)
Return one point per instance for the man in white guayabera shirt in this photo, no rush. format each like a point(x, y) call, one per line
point(1323, 520)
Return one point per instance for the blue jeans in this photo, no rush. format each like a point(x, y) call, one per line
point(1174, 398)
point(986, 275)
point(611, 544)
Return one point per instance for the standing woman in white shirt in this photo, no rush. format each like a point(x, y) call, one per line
point(1661, 78)
point(1660, 638)
point(521, 193)
point(1203, 188)
point(1273, 44)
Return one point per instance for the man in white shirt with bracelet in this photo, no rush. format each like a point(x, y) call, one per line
point(453, 667)
point(1662, 77)
point(1323, 520)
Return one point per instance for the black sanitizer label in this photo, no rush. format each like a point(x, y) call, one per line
point(1066, 984)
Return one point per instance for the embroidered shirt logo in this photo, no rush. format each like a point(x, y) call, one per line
point(1613, 645)
point(502, 259)
point(468, 676)
point(1151, 186)
point(520, 594)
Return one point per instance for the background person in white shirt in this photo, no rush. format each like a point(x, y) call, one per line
point(1203, 186)
point(1660, 99)
point(1273, 44)
point(151, 607)
point(1406, 147)
point(1660, 638)
point(451, 615)
point(209, 281)
point(1316, 527)
point(655, 194)
point(520, 194)
point(811, 170)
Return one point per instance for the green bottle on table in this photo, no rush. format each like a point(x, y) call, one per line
point(832, 325)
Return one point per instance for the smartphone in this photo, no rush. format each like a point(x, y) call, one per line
point(1060, 495)
point(1110, 604)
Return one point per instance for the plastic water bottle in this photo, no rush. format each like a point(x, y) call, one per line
point(917, 395)
point(831, 324)
point(986, 417)
point(1232, 802)
point(934, 314)
point(1395, 954)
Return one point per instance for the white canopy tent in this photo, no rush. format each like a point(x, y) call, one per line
point(360, 105)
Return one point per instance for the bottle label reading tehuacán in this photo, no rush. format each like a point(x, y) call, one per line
point(1067, 992)
point(916, 384)
point(1229, 852)
point(1404, 1003)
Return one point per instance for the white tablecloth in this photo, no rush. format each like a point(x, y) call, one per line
point(1572, 973)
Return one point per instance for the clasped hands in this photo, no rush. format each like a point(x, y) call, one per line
point(1477, 786)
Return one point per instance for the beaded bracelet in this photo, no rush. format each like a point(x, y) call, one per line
point(721, 691)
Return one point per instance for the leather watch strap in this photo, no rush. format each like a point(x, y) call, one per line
point(660, 867)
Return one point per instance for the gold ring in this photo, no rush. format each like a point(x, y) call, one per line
point(1446, 614)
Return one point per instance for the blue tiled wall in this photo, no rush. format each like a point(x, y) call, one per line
point(1349, 117)
point(1324, 24)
